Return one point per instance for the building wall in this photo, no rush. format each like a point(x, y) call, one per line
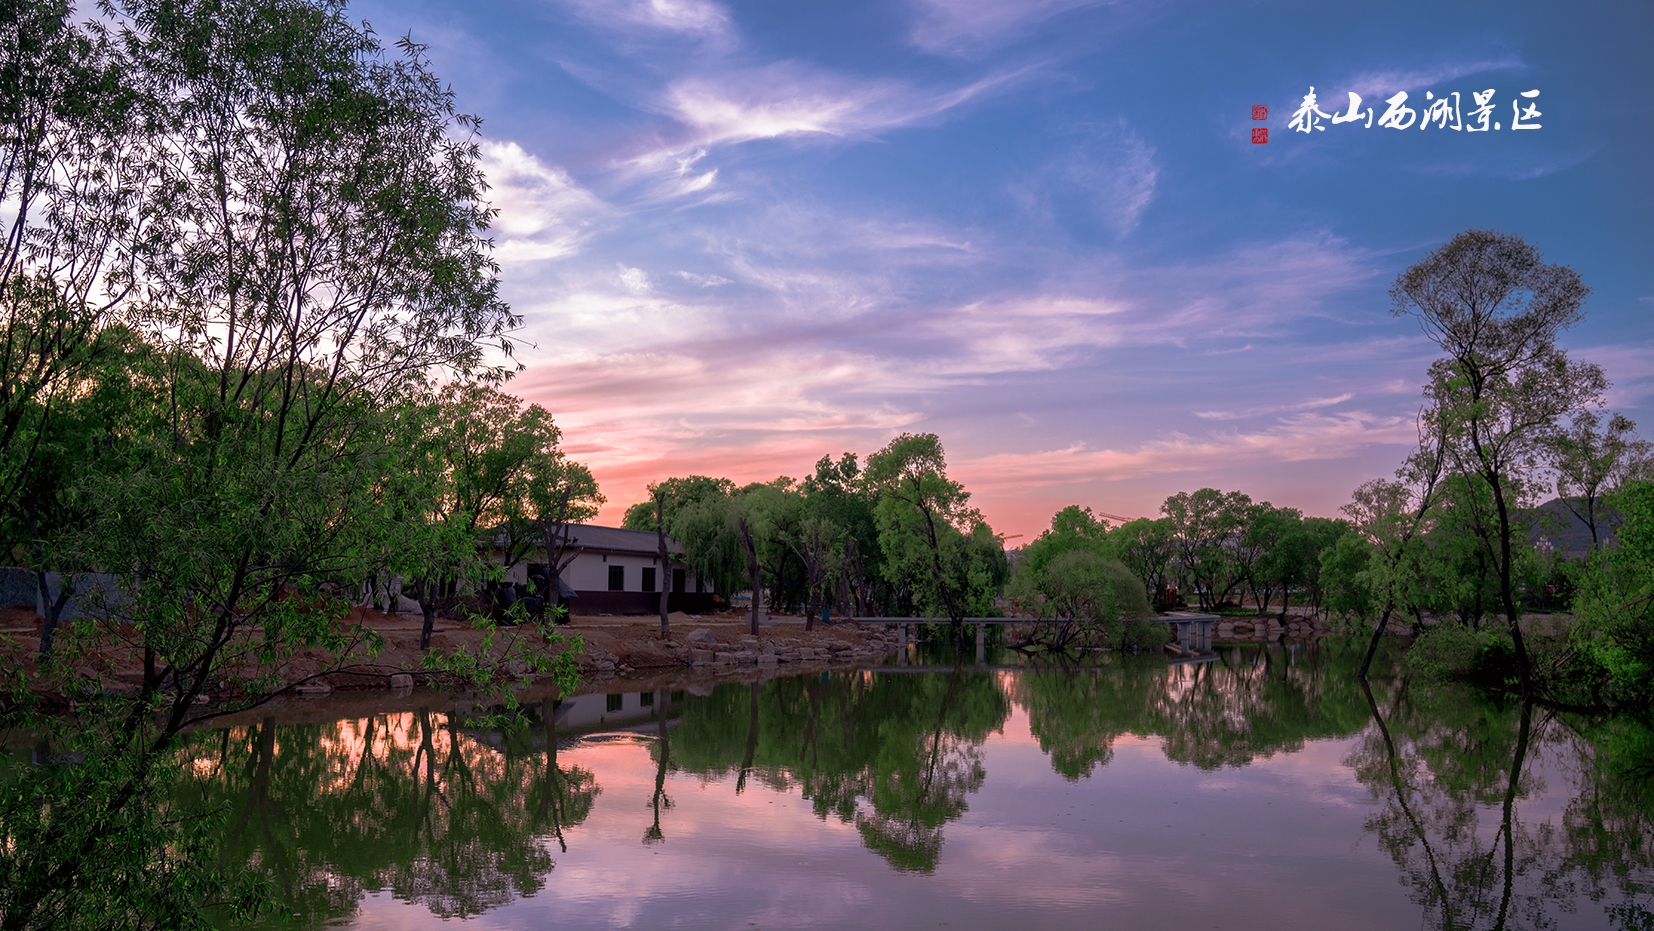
point(590, 572)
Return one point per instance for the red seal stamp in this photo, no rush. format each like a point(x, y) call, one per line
point(1260, 111)
point(1260, 135)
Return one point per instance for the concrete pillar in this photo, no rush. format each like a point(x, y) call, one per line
point(981, 644)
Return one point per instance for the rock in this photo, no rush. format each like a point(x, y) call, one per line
point(746, 658)
point(314, 689)
point(703, 638)
point(402, 680)
point(769, 648)
point(727, 659)
point(604, 665)
point(768, 659)
point(702, 657)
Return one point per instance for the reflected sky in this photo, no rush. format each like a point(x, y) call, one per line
point(1305, 835)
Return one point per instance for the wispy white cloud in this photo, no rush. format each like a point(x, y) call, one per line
point(1302, 437)
point(636, 280)
point(790, 98)
point(1372, 85)
point(703, 281)
point(960, 26)
point(1111, 173)
point(543, 213)
point(697, 19)
point(1309, 405)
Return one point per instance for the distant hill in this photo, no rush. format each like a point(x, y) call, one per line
point(1556, 525)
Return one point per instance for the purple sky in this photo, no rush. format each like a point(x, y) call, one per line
point(743, 236)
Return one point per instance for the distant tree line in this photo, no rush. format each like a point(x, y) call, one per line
point(897, 537)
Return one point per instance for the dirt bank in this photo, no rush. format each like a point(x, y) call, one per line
point(607, 646)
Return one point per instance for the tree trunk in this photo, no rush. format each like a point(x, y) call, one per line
point(752, 742)
point(53, 608)
point(752, 570)
point(1372, 647)
point(665, 564)
point(425, 594)
point(1507, 590)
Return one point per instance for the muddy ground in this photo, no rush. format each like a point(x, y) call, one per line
point(606, 646)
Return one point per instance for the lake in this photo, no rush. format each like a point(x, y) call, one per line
point(1264, 789)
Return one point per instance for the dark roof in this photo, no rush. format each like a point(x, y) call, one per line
point(617, 540)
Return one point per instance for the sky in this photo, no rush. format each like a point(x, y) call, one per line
point(745, 235)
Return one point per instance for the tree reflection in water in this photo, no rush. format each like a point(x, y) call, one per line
point(1451, 771)
point(1448, 768)
point(1250, 703)
point(895, 755)
point(409, 803)
point(463, 821)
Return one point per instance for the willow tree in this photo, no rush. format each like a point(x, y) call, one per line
point(933, 541)
point(1495, 308)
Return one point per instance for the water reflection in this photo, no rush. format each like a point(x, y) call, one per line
point(408, 803)
point(895, 755)
point(1250, 703)
point(1454, 778)
point(1492, 815)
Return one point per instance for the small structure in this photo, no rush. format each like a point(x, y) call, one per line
point(618, 571)
point(1193, 632)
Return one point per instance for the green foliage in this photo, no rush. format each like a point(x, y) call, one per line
point(1206, 526)
point(1146, 547)
point(301, 230)
point(1343, 575)
point(1100, 598)
point(1452, 651)
point(1613, 626)
point(935, 546)
point(1072, 528)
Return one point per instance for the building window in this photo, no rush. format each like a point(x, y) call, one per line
point(615, 701)
point(648, 578)
point(677, 580)
point(617, 578)
point(646, 699)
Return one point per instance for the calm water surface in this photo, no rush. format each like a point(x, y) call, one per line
point(1255, 791)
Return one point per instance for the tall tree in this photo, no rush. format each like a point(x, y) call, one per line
point(933, 541)
point(1592, 459)
point(1495, 308)
point(315, 255)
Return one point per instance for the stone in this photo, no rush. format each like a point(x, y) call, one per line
point(769, 649)
point(604, 665)
point(703, 638)
point(702, 657)
point(768, 659)
point(746, 658)
point(314, 689)
point(401, 680)
point(726, 659)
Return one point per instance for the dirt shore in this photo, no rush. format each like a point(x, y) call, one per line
point(607, 646)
